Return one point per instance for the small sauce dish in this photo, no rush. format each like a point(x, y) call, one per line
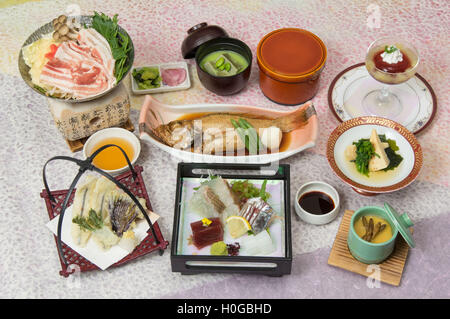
point(317, 203)
point(111, 159)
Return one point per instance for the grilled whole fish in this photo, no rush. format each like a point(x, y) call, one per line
point(215, 131)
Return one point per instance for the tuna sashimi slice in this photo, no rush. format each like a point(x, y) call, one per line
point(204, 236)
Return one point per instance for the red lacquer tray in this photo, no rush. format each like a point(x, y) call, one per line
point(77, 262)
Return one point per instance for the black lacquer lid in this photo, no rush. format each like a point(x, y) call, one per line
point(199, 34)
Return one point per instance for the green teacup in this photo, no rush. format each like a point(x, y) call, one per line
point(375, 253)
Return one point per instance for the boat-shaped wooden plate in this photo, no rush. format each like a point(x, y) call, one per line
point(384, 182)
point(154, 113)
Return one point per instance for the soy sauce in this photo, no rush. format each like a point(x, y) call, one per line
point(316, 203)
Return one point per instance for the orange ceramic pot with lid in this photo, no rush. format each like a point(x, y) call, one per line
point(290, 61)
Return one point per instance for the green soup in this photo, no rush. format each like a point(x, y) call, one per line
point(224, 63)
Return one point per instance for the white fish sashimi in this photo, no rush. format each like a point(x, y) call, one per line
point(257, 245)
point(205, 205)
point(223, 191)
point(223, 204)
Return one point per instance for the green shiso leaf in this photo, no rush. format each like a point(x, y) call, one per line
point(91, 223)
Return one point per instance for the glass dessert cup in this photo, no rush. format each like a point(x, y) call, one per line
point(381, 100)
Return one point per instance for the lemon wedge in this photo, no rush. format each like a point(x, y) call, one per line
point(238, 226)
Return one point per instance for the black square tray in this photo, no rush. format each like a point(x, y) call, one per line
point(195, 264)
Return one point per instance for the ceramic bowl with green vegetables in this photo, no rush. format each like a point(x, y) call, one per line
point(224, 65)
point(374, 155)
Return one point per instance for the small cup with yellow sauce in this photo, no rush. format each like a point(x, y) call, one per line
point(111, 159)
point(373, 232)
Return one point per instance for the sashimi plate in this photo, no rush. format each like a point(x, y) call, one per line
point(155, 113)
point(276, 230)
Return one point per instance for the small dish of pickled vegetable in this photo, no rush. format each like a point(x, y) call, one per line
point(147, 77)
point(159, 78)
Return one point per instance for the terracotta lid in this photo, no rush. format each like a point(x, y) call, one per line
point(199, 34)
point(291, 53)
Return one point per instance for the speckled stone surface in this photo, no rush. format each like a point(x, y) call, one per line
point(29, 263)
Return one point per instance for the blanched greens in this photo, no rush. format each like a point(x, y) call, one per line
point(248, 135)
point(365, 151)
point(119, 42)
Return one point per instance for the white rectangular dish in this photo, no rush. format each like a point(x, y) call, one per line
point(164, 87)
